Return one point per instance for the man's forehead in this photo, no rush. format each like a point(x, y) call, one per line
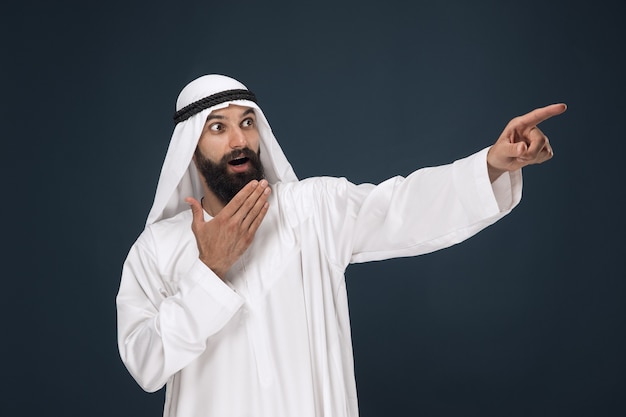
point(232, 110)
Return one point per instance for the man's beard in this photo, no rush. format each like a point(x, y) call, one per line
point(224, 184)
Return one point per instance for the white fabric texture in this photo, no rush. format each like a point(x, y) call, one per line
point(273, 338)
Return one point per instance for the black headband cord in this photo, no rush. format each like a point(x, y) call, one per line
point(210, 101)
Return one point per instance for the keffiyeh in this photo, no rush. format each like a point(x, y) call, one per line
point(179, 178)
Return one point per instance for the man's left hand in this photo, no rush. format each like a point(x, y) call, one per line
point(522, 143)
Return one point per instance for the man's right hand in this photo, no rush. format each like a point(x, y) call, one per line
point(223, 239)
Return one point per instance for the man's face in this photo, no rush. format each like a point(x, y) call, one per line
point(227, 154)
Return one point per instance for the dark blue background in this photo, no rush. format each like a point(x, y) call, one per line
point(526, 319)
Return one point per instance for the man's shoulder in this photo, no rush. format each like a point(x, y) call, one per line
point(168, 230)
point(299, 200)
point(311, 184)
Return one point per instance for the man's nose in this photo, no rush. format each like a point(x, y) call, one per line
point(238, 139)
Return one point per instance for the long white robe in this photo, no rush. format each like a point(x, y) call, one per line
point(273, 339)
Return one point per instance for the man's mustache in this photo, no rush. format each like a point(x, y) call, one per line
point(240, 153)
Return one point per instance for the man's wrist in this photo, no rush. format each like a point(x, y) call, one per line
point(494, 173)
point(216, 270)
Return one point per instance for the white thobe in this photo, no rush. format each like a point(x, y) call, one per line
point(273, 338)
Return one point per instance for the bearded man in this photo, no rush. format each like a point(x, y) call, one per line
point(239, 304)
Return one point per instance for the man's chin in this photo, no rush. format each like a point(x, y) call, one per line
point(225, 179)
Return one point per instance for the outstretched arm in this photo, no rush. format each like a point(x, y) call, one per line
point(522, 143)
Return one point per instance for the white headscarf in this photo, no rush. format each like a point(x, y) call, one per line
point(179, 178)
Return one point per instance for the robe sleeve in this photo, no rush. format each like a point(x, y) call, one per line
point(431, 209)
point(160, 331)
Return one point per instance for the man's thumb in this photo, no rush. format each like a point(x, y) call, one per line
point(515, 150)
point(196, 209)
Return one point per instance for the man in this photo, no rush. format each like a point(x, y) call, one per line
point(239, 305)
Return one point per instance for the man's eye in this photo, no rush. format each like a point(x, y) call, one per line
point(247, 123)
point(216, 127)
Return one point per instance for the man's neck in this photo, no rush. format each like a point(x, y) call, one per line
point(211, 203)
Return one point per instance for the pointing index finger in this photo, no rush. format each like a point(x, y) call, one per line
point(541, 114)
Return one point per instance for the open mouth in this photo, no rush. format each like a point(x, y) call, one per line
point(239, 161)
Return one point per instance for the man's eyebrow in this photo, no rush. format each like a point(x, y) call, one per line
point(214, 116)
point(220, 117)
